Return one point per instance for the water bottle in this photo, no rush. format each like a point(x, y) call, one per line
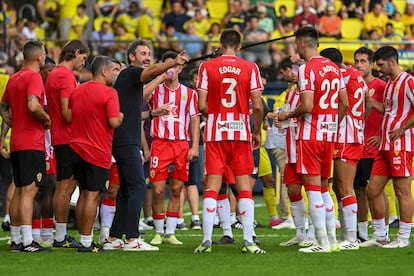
point(170, 73)
point(285, 108)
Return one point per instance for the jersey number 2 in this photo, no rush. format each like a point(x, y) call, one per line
point(327, 86)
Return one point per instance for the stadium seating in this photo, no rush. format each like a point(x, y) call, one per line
point(290, 7)
point(217, 9)
point(155, 5)
point(327, 42)
point(351, 28)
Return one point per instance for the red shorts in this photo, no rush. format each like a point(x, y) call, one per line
point(237, 155)
point(393, 164)
point(50, 164)
point(113, 175)
point(314, 158)
point(165, 153)
point(348, 153)
point(228, 177)
point(290, 176)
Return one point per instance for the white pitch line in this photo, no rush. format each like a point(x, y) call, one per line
point(257, 205)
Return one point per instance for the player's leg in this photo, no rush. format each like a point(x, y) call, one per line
point(223, 210)
point(47, 211)
point(37, 215)
point(360, 183)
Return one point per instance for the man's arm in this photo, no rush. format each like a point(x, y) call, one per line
point(305, 106)
point(145, 146)
point(342, 105)
point(195, 137)
point(5, 113)
point(374, 104)
point(396, 133)
point(202, 102)
point(149, 87)
point(64, 103)
point(3, 145)
point(257, 117)
point(159, 68)
point(115, 122)
point(37, 111)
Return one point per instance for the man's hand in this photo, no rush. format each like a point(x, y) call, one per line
point(282, 116)
point(161, 111)
point(46, 124)
point(192, 153)
point(3, 149)
point(374, 141)
point(396, 133)
point(181, 58)
point(256, 140)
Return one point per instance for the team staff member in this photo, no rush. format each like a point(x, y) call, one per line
point(226, 87)
point(24, 98)
point(59, 86)
point(171, 134)
point(92, 141)
point(395, 157)
point(126, 148)
point(320, 85)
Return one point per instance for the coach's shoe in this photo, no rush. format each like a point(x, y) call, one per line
point(292, 242)
point(251, 248)
point(143, 226)
point(94, 248)
point(5, 225)
point(347, 245)
point(379, 242)
point(157, 240)
point(205, 247)
point(274, 222)
point(182, 226)
point(195, 225)
point(68, 242)
point(398, 243)
point(113, 245)
point(308, 242)
point(16, 247)
point(224, 240)
point(139, 245)
point(171, 239)
point(287, 224)
point(316, 249)
point(34, 247)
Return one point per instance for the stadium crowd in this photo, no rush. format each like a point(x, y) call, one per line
point(326, 120)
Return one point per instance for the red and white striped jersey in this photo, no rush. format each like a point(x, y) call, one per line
point(229, 82)
point(183, 105)
point(351, 128)
point(399, 107)
point(293, 98)
point(323, 78)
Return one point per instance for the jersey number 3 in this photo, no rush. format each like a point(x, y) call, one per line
point(230, 101)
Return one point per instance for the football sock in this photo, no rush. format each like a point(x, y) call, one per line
point(159, 223)
point(60, 231)
point(179, 220)
point(209, 212)
point(233, 218)
point(172, 220)
point(363, 230)
point(330, 215)
point(36, 226)
point(298, 209)
point(86, 240)
point(341, 220)
point(392, 205)
point(405, 230)
point(195, 217)
point(350, 210)
point(27, 235)
point(379, 227)
point(223, 210)
point(269, 196)
point(108, 208)
point(7, 218)
point(15, 234)
point(246, 209)
point(311, 230)
point(317, 212)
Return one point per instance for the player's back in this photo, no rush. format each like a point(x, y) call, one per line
point(229, 81)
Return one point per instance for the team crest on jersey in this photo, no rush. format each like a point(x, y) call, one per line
point(47, 165)
point(230, 125)
point(396, 89)
point(184, 96)
point(39, 176)
point(335, 152)
point(152, 173)
point(371, 92)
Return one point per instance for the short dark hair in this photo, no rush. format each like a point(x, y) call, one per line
point(31, 50)
point(230, 38)
point(309, 34)
point(168, 54)
point(98, 63)
point(365, 51)
point(70, 48)
point(193, 72)
point(333, 54)
point(49, 60)
point(132, 47)
point(285, 63)
point(386, 53)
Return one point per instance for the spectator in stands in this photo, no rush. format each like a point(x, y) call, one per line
point(10, 13)
point(102, 41)
point(213, 37)
point(265, 22)
point(193, 44)
point(48, 11)
point(351, 8)
point(145, 26)
point(390, 36)
point(259, 53)
point(282, 16)
point(306, 14)
point(236, 16)
point(67, 11)
point(281, 50)
point(193, 5)
point(79, 23)
point(389, 8)
point(330, 23)
point(106, 8)
point(200, 22)
point(399, 27)
point(410, 37)
point(29, 29)
point(168, 41)
point(129, 18)
point(408, 17)
point(177, 17)
point(122, 39)
point(376, 19)
point(374, 36)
